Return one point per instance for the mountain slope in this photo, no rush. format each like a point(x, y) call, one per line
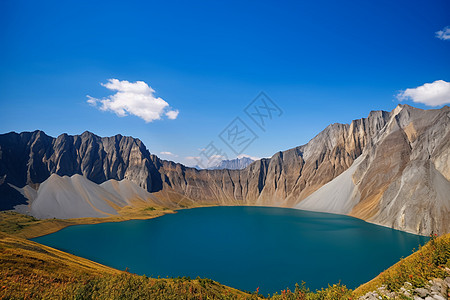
point(391, 168)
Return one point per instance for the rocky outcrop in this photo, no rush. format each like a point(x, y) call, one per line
point(436, 289)
point(391, 168)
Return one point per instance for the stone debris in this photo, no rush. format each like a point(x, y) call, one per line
point(436, 289)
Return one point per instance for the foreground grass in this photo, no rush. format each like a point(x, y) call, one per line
point(29, 270)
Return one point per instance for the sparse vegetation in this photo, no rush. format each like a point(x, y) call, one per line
point(12, 222)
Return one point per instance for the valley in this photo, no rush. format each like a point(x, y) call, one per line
point(391, 169)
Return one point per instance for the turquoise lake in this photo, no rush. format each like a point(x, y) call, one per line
point(243, 247)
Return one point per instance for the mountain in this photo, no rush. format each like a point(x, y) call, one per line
point(391, 168)
point(238, 163)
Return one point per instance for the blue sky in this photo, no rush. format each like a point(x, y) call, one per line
point(321, 62)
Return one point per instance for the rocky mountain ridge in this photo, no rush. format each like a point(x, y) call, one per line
point(391, 168)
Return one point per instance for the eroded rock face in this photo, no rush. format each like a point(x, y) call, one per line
point(401, 179)
point(287, 177)
point(405, 177)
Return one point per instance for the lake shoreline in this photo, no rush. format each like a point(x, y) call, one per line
point(42, 227)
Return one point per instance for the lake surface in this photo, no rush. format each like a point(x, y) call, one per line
point(243, 247)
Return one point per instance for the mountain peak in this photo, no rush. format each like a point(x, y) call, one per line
point(87, 134)
point(398, 109)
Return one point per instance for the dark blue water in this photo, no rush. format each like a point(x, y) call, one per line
point(243, 247)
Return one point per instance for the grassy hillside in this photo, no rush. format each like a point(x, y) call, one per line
point(29, 270)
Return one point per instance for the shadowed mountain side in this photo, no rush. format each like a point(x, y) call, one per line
point(10, 197)
point(29, 158)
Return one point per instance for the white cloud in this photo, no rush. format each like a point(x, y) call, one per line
point(443, 34)
point(192, 162)
point(168, 153)
point(172, 114)
point(193, 157)
point(215, 158)
point(431, 94)
point(133, 98)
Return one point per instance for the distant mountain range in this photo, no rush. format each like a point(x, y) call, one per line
point(391, 168)
point(238, 163)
